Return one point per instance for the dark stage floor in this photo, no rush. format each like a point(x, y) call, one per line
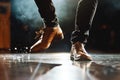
point(58, 66)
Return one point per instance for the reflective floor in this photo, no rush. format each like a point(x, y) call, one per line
point(58, 66)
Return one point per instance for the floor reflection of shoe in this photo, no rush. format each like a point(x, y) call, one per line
point(78, 52)
point(49, 34)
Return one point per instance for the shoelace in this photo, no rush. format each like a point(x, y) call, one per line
point(39, 34)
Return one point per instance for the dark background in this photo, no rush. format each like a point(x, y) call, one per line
point(104, 34)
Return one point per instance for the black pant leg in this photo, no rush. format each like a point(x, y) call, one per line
point(47, 11)
point(84, 17)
